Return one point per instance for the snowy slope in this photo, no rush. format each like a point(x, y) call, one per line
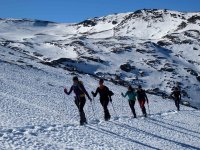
point(35, 114)
point(153, 48)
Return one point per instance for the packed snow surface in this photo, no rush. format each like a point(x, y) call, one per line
point(36, 114)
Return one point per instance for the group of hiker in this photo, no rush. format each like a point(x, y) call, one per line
point(106, 97)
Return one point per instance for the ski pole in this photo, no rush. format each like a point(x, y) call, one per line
point(122, 107)
point(148, 108)
point(93, 109)
point(114, 109)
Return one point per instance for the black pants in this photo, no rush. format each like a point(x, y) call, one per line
point(80, 103)
point(104, 103)
point(132, 106)
point(177, 104)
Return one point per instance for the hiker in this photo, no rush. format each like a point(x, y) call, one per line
point(142, 98)
point(176, 95)
point(131, 98)
point(80, 99)
point(105, 97)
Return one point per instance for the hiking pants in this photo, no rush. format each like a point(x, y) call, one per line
point(80, 103)
point(104, 103)
point(142, 106)
point(132, 106)
point(177, 104)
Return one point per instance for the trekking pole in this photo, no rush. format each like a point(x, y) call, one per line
point(122, 107)
point(114, 109)
point(93, 109)
point(148, 108)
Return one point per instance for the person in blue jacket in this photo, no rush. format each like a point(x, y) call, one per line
point(132, 95)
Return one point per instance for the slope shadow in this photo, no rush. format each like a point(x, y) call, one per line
point(155, 120)
point(165, 126)
point(155, 136)
point(108, 132)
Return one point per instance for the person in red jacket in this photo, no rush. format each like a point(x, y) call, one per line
point(142, 98)
point(80, 99)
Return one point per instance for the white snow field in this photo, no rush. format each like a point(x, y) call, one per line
point(35, 114)
point(155, 48)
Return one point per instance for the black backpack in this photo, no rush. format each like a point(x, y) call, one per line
point(110, 93)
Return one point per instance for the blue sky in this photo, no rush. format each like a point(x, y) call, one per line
point(78, 10)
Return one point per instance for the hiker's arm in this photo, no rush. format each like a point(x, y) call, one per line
point(68, 93)
point(84, 90)
point(95, 94)
point(123, 94)
point(146, 97)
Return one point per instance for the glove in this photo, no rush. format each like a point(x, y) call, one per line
point(92, 93)
point(65, 90)
point(90, 99)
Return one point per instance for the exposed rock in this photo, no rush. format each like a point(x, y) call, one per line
point(193, 19)
point(37, 54)
point(78, 43)
point(182, 25)
point(194, 48)
point(88, 23)
point(114, 22)
point(126, 67)
point(198, 78)
point(99, 60)
point(192, 72)
point(164, 43)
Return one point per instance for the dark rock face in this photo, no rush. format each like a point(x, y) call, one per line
point(126, 67)
point(163, 43)
point(192, 72)
point(182, 25)
point(78, 43)
point(194, 48)
point(198, 78)
point(114, 22)
point(193, 19)
point(37, 54)
point(95, 59)
point(88, 23)
point(167, 67)
point(157, 92)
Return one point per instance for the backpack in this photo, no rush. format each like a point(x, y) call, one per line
point(110, 93)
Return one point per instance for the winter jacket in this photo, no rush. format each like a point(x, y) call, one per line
point(141, 95)
point(176, 95)
point(104, 93)
point(79, 90)
point(131, 95)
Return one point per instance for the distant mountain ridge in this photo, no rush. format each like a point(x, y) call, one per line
point(156, 48)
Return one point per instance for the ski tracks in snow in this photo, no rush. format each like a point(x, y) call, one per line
point(124, 133)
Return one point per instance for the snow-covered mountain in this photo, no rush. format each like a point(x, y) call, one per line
point(155, 48)
point(158, 49)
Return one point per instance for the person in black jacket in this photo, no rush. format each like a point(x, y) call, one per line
point(80, 99)
point(142, 98)
point(104, 98)
point(176, 95)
